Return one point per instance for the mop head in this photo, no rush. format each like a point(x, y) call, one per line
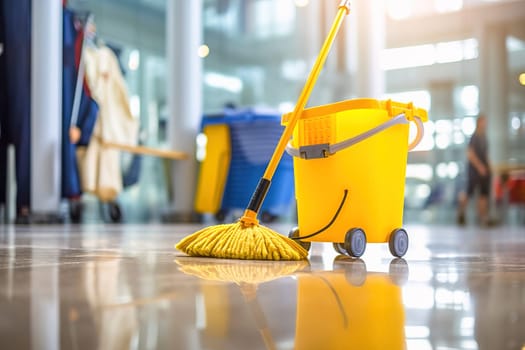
point(241, 241)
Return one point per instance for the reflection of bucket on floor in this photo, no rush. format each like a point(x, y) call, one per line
point(360, 310)
point(349, 162)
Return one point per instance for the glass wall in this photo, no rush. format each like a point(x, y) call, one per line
point(256, 55)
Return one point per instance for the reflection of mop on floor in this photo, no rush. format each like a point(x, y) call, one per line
point(247, 276)
point(360, 310)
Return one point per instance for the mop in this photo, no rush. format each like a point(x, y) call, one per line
point(246, 239)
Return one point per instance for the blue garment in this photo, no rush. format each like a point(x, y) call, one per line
point(132, 174)
point(87, 115)
point(15, 96)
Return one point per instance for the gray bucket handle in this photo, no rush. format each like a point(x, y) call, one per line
point(325, 150)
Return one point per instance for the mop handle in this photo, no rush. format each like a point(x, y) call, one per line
point(264, 183)
point(344, 9)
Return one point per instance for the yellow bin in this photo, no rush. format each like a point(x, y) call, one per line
point(349, 166)
point(214, 168)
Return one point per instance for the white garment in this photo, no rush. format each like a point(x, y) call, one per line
point(100, 167)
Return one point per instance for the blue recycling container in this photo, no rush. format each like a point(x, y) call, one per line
point(254, 134)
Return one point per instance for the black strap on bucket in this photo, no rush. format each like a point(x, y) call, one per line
point(331, 221)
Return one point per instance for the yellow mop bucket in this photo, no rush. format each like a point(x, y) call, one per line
point(349, 167)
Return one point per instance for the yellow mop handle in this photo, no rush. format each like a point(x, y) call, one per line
point(344, 9)
point(262, 188)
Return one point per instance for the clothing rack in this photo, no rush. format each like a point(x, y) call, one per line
point(89, 39)
point(149, 151)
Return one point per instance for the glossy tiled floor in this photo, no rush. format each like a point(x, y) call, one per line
point(125, 287)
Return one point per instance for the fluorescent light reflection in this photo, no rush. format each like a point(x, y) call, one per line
point(420, 171)
point(429, 54)
point(412, 332)
point(418, 344)
point(225, 82)
point(418, 296)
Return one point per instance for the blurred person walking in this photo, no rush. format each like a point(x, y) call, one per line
point(479, 175)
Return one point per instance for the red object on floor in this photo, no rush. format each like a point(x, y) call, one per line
point(516, 190)
point(514, 186)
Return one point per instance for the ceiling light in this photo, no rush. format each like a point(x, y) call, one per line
point(522, 78)
point(301, 3)
point(203, 51)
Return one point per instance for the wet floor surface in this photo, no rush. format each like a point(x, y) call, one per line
point(125, 287)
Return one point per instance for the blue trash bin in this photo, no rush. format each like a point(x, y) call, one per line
point(254, 134)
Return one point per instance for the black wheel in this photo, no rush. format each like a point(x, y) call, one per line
point(340, 248)
point(294, 232)
point(75, 211)
point(398, 271)
point(114, 212)
point(220, 216)
point(355, 242)
point(398, 242)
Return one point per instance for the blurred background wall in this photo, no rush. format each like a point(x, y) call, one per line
point(456, 58)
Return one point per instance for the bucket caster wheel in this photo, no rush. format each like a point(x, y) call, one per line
point(75, 211)
point(294, 232)
point(398, 242)
point(339, 248)
point(220, 216)
point(355, 242)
